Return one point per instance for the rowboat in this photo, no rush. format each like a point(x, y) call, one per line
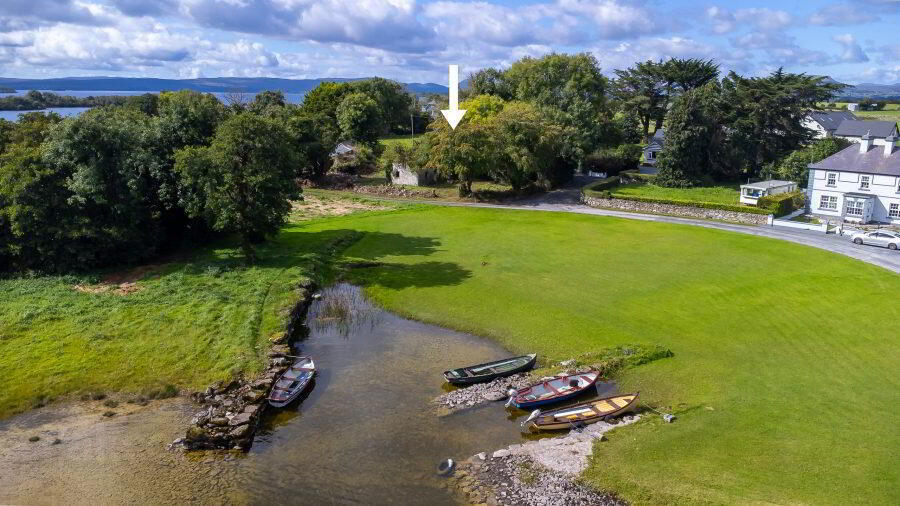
point(582, 413)
point(292, 382)
point(490, 370)
point(554, 390)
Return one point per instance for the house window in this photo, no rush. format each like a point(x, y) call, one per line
point(854, 208)
point(828, 202)
point(651, 155)
point(864, 182)
point(894, 211)
point(831, 179)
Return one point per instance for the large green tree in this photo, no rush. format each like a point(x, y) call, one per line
point(765, 114)
point(795, 166)
point(694, 139)
point(244, 181)
point(359, 118)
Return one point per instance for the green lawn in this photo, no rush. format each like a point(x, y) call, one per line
point(406, 140)
point(784, 376)
point(723, 194)
point(191, 322)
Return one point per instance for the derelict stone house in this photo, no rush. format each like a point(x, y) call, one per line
point(402, 174)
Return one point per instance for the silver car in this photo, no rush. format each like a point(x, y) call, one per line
point(878, 238)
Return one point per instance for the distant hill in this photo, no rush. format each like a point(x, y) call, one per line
point(213, 84)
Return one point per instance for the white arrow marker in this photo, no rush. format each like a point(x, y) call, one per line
point(454, 114)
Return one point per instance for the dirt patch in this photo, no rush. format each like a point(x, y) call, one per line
point(122, 282)
point(316, 207)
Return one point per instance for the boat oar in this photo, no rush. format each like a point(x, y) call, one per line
point(667, 417)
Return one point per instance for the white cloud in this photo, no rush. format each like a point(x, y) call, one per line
point(843, 14)
point(721, 20)
point(764, 19)
point(852, 52)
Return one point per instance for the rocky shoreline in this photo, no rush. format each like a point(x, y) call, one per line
point(231, 410)
point(538, 473)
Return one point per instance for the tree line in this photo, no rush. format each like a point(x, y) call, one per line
point(42, 100)
point(121, 184)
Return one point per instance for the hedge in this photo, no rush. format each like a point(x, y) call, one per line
point(689, 203)
point(782, 203)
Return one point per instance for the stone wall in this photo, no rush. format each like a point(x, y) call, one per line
point(672, 209)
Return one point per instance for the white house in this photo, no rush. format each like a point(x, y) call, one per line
point(656, 144)
point(852, 107)
point(824, 123)
point(751, 192)
point(853, 130)
point(859, 184)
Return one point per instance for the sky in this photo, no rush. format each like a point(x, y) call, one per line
point(852, 41)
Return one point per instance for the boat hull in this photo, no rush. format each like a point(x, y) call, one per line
point(554, 391)
point(490, 371)
point(293, 383)
point(586, 412)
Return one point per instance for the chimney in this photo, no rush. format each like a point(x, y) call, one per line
point(889, 145)
point(865, 142)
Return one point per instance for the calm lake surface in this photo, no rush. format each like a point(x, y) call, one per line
point(367, 433)
point(293, 98)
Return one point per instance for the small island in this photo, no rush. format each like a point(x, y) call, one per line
point(37, 100)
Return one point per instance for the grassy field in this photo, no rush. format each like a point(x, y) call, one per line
point(784, 375)
point(891, 112)
point(186, 323)
point(724, 194)
point(406, 140)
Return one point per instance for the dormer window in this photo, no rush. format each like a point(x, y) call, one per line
point(864, 182)
point(831, 179)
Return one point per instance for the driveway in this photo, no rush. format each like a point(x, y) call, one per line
point(568, 200)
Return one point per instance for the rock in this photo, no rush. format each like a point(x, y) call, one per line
point(262, 384)
point(34, 439)
point(240, 419)
point(251, 409)
point(494, 396)
point(481, 456)
point(499, 454)
point(240, 432)
point(253, 396)
point(109, 414)
point(56, 441)
point(218, 421)
point(197, 433)
point(567, 363)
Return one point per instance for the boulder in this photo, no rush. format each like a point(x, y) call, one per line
point(240, 419)
point(239, 432)
point(251, 409)
point(218, 421)
point(253, 396)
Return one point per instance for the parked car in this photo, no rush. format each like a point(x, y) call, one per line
point(878, 238)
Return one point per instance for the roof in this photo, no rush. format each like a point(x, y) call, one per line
point(872, 161)
point(830, 120)
point(765, 185)
point(342, 149)
point(658, 141)
point(855, 128)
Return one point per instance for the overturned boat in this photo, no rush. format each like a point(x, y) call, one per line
point(490, 370)
point(293, 382)
point(583, 413)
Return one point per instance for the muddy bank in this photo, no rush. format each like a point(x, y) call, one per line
point(84, 457)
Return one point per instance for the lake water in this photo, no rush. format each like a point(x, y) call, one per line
point(293, 98)
point(367, 433)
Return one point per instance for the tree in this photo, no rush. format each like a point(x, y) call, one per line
point(765, 114)
point(244, 181)
point(694, 138)
point(642, 92)
point(394, 103)
point(482, 107)
point(266, 102)
point(527, 146)
point(359, 118)
point(688, 74)
point(795, 166)
point(489, 81)
point(463, 154)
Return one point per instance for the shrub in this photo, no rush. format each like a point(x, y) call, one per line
point(689, 203)
point(615, 160)
point(783, 203)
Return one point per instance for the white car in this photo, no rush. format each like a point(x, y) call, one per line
point(878, 238)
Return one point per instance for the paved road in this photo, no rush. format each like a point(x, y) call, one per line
point(568, 200)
